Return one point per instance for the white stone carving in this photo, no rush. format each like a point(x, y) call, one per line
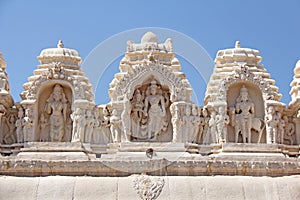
point(56, 107)
point(222, 120)
point(19, 126)
point(148, 187)
point(272, 121)
point(155, 111)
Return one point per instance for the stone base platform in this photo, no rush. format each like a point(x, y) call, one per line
point(56, 151)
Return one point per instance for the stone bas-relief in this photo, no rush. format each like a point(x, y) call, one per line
point(150, 120)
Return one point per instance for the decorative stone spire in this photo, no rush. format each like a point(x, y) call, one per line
point(5, 99)
point(60, 44)
point(229, 60)
point(237, 44)
point(295, 88)
point(151, 53)
point(63, 64)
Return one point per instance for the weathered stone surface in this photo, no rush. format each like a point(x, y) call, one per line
point(178, 187)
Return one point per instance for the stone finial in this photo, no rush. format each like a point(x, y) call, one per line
point(60, 44)
point(237, 44)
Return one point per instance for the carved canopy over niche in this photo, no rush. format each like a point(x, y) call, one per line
point(58, 74)
point(178, 85)
point(243, 74)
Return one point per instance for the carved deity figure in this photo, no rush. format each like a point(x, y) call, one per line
point(188, 125)
point(213, 128)
point(115, 122)
point(176, 122)
point(79, 123)
point(222, 120)
point(44, 131)
point(289, 130)
point(19, 126)
point(272, 125)
point(244, 109)
point(205, 124)
point(28, 126)
point(126, 122)
point(281, 127)
point(10, 135)
point(89, 126)
point(105, 125)
point(197, 130)
point(137, 115)
point(156, 113)
point(56, 107)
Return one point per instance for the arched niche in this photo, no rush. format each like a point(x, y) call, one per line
point(178, 85)
point(139, 121)
point(42, 128)
point(256, 97)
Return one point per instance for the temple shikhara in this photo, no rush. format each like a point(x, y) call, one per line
point(151, 139)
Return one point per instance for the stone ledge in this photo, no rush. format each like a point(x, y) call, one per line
point(200, 165)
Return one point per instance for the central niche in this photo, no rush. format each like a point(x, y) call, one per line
point(150, 115)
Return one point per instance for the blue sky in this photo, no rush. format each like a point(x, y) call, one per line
point(272, 27)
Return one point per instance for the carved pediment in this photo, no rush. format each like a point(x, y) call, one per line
point(179, 87)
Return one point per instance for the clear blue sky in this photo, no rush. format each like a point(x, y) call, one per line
point(272, 27)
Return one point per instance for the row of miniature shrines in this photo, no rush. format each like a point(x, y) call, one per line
point(150, 101)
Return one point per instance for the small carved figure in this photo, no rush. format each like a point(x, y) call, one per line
point(10, 136)
point(188, 125)
point(126, 122)
point(207, 137)
point(289, 130)
point(115, 122)
point(27, 126)
point(57, 108)
point(79, 123)
point(244, 117)
point(44, 132)
point(156, 113)
point(89, 126)
point(137, 115)
point(197, 129)
point(176, 122)
point(213, 127)
point(281, 127)
point(105, 124)
point(19, 126)
point(222, 120)
point(272, 128)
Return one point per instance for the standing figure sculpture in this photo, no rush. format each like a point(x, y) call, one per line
point(19, 126)
point(222, 120)
point(197, 130)
point(207, 137)
point(137, 115)
point(56, 107)
point(156, 113)
point(89, 126)
point(176, 122)
point(188, 125)
point(44, 131)
point(272, 125)
point(289, 130)
point(126, 122)
point(213, 127)
point(244, 109)
point(28, 126)
point(115, 122)
point(79, 123)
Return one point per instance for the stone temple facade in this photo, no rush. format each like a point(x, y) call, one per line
point(150, 141)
